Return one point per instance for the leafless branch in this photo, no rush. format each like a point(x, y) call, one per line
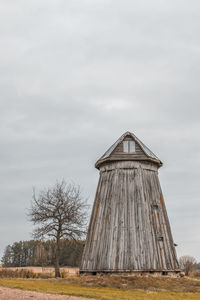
point(59, 212)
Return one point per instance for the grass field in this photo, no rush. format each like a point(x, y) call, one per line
point(87, 287)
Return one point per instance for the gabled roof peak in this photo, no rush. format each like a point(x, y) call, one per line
point(149, 154)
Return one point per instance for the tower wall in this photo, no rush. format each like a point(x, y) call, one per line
point(129, 228)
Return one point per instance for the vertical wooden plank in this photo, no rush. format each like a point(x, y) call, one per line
point(123, 230)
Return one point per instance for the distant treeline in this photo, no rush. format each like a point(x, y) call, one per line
point(37, 253)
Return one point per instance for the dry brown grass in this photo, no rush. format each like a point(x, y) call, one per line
point(6, 273)
point(44, 270)
point(35, 272)
point(99, 292)
point(185, 284)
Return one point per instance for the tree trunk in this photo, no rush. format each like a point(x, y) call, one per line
point(57, 266)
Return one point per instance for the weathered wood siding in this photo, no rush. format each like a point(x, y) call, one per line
point(119, 153)
point(124, 227)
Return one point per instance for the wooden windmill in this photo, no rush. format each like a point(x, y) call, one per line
point(129, 229)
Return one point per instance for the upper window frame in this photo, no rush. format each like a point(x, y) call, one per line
point(129, 146)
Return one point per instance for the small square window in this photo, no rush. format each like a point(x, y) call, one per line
point(154, 206)
point(129, 146)
point(164, 273)
point(160, 238)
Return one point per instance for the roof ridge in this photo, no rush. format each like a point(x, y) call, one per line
point(145, 149)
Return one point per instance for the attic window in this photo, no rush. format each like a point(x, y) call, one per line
point(129, 146)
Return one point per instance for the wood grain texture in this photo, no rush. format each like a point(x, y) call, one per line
point(124, 228)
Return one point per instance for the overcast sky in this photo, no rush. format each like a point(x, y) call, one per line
point(74, 76)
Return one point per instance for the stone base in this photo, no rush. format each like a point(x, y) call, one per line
point(156, 273)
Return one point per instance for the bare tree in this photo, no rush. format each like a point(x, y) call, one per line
point(187, 263)
point(59, 212)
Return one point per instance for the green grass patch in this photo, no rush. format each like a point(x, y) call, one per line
point(105, 293)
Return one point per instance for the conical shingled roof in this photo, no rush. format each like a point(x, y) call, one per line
point(149, 155)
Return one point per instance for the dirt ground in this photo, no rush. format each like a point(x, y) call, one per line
point(15, 294)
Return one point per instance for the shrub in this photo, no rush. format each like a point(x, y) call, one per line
point(196, 274)
point(22, 274)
